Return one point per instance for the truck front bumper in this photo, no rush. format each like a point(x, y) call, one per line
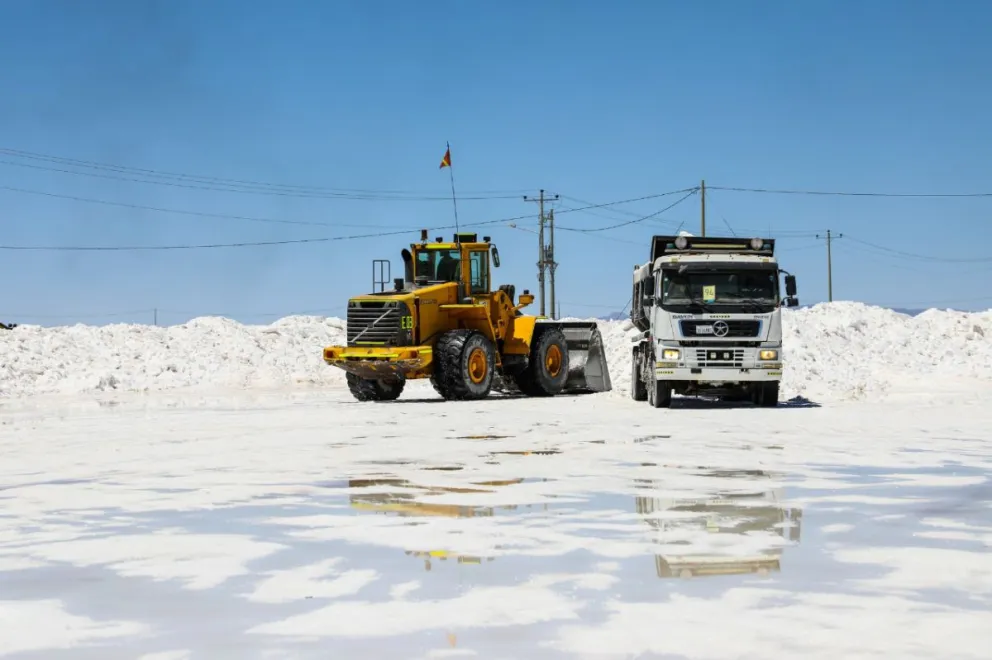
point(380, 362)
point(715, 375)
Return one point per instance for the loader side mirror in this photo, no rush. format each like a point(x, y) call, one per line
point(495, 257)
point(790, 286)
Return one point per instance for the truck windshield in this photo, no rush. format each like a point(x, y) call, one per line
point(740, 290)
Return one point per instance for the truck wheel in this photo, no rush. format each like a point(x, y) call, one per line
point(547, 368)
point(768, 395)
point(464, 365)
point(659, 393)
point(638, 390)
point(374, 390)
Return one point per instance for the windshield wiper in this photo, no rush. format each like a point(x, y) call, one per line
point(755, 303)
point(696, 302)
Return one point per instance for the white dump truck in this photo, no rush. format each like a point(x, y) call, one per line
point(709, 312)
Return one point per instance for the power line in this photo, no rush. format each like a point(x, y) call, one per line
point(264, 191)
point(125, 169)
point(923, 257)
point(845, 193)
point(201, 214)
point(690, 193)
point(300, 241)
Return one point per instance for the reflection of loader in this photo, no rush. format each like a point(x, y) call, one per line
point(442, 321)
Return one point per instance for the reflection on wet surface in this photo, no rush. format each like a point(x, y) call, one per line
point(759, 515)
point(533, 541)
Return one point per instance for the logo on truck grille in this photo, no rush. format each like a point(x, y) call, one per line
point(721, 329)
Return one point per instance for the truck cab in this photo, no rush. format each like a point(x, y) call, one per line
point(709, 312)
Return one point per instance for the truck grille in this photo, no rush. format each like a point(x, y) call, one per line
point(373, 323)
point(734, 328)
point(718, 357)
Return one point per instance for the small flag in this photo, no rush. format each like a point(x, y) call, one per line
point(446, 161)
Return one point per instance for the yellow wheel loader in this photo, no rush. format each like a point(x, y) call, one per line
point(442, 321)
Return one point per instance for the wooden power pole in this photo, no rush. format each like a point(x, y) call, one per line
point(830, 266)
point(552, 264)
point(542, 261)
point(702, 206)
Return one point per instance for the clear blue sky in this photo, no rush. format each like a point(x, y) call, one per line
point(595, 101)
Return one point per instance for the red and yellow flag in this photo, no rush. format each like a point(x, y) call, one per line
point(446, 161)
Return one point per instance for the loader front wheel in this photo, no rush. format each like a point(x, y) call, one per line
point(464, 365)
point(374, 390)
point(547, 369)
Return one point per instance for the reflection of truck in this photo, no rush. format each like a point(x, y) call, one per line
point(709, 312)
point(758, 518)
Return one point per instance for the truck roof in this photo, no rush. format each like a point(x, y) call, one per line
point(722, 245)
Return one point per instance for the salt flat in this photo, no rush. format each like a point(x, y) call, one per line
point(303, 524)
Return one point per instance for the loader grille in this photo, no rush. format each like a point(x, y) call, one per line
point(734, 329)
point(374, 323)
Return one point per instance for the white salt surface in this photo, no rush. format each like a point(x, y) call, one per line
point(835, 351)
point(307, 525)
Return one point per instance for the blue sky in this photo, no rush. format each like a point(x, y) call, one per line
point(597, 102)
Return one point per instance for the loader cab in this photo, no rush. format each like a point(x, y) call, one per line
point(464, 260)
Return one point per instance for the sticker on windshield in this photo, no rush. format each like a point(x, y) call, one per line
point(709, 293)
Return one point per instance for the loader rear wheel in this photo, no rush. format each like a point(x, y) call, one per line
point(547, 369)
point(364, 389)
point(464, 365)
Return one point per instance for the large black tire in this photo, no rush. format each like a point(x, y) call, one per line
point(547, 367)
point(464, 365)
point(638, 389)
point(767, 395)
point(659, 391)
point(374, 390)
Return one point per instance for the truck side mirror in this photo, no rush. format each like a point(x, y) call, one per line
point(647, 290)
point(790, 285)
point(791, 302)
point(495, 257)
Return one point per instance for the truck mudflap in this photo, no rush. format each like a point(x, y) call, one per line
point(378, 363)
point(588, 370)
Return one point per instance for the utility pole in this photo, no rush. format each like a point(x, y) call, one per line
point(542, 262)
point(155, 316)
point(552, 264)
point(830, 269)
point(702, 206)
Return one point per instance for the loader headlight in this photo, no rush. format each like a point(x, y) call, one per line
point(681, 242)
point(768, 355)
point(670, 354)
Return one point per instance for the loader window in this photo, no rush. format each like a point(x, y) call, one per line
point(479, 265)
point(439, 265)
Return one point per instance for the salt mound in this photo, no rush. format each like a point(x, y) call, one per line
point(848, 350)
point(833, 351)
point(207, 351)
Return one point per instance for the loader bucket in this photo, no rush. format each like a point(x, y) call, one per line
point(587, 367)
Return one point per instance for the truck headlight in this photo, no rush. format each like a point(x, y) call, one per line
point(768, 355)
point(670, 354)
